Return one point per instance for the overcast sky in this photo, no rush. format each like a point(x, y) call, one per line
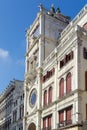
point(15, 17)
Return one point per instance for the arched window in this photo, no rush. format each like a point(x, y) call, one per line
point(61, 88)
point(68, 83)
point(50, 95)
point(45, 97)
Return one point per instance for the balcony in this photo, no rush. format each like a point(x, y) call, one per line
point(30, 75)
point(47, 128)
point(64, 123)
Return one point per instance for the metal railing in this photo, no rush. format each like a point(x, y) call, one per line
point(47, 128)
point(64, 123)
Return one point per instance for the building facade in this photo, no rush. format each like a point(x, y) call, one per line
point(56, 72)
point(12, 106)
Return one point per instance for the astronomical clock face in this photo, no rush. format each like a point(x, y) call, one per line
point(33, 98)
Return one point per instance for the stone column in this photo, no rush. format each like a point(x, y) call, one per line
point(55, 88)
point(39, 75)
point(77, 115)
point(25, 107)
point(39, 98)
point(41, 52)
point(64, 85)
point(54, 120)
point(27, 42)
point(76, 67)
point(38, 120)
point(26, 59)
point(41, 40)
point(76, 110)
point(55, 93)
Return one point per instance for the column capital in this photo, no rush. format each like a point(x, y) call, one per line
point(39, 70)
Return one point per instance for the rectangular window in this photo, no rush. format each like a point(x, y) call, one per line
point(85, 53)
point(21, 111)
point(71, 54)
point(65, 117)
point(44, 124)
point(21, 128)
point(86, 80)
point(61, 63)
point(61, 118)
point(49, 122)
point(27, 65)
point(68, 115)
point(86, 111)
point(14, 115)
point(48, 74)
point(66, 59)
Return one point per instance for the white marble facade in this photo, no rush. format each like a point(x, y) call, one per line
point(55, 56)
point(12, 106)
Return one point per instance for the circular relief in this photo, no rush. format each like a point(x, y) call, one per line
point(33, 97)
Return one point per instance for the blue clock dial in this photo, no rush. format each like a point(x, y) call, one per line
point(33, 97)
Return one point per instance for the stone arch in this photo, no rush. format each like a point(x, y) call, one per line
point(32, 126)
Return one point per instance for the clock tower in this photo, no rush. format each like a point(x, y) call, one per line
point(41, 39)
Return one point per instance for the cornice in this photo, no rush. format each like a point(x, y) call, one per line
point(74, 22)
